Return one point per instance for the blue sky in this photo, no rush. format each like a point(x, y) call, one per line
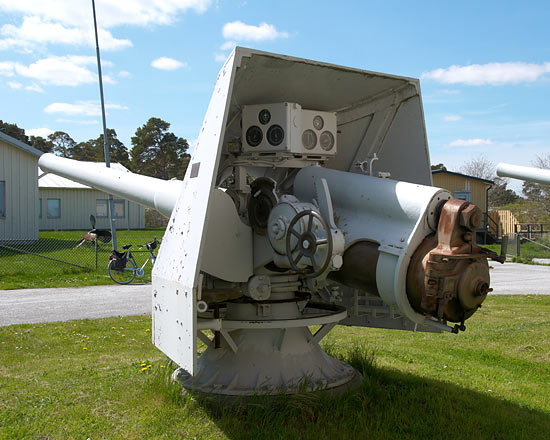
point(484, 66)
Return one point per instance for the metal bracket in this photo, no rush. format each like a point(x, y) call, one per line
point(321, 333)
point(230, 341)
point(366, 165)
point(207, 341)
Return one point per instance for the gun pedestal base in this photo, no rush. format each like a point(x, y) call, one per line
point(270, 356)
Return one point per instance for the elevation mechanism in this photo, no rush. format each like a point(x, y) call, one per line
point(307, 202)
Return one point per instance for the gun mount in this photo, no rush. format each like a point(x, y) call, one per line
point(279, 225)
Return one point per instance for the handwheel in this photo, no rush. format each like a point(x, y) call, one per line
point(308, 243)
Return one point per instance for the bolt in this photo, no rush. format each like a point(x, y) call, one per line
point(471, 217)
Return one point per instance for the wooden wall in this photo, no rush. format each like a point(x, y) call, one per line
point(19, 170)
point(506, 221)
point(452, 183)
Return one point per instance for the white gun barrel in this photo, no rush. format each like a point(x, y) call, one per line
point(148, 191)
point(528, 174)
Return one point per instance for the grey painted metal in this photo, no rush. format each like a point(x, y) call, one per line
point(529, 174)
point(304, 321)
point(274, 355)
point(105, 138)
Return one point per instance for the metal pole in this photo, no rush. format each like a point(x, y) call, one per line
point(105, 142)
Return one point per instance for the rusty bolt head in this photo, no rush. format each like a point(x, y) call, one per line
point(471, 217)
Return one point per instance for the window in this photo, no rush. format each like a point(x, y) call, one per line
point(101, 208)
point(2, 199)
point(119, 208)
point(39, 208)
point(102, 211)
point(462, 195)
point(53, 208)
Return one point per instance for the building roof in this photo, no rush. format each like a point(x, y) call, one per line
point(489, 182)
point(21, 145)
point(50, 180)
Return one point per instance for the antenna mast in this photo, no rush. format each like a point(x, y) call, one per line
point(105, 142)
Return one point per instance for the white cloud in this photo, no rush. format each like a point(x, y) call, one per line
point(220, 57)
point(452, 118)
point(109, 13)
point(489, 74)
point(34, 30)
point(34, 88)
point(239, 31)
point(15, 85)
point(43, 132)
point(164, 63)
point(124, 74)
point(228, 45)
point(449, 92)
point(476, 142)
point(59, 71)
point(85, 108)
point(7, 68)
point(69, 22)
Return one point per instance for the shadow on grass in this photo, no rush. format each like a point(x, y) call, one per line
point(389, 404)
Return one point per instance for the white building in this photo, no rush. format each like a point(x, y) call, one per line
point(65, 205)
point(18, 190)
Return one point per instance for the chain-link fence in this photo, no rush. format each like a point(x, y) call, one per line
point(530, 246)
point(62, 254)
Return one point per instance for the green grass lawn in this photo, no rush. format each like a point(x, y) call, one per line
point(19, 270)
point(91, 379)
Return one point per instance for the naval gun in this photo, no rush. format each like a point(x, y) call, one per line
point(529, 174)
point(308, 201)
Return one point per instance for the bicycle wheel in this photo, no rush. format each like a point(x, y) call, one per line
point(125, 276)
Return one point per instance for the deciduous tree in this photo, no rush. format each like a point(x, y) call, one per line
point(479, 167)
point(157, 152)
point(62, 143)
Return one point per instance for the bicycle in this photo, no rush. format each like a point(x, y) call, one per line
point(118, 268)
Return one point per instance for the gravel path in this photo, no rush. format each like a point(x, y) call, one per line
point(30, 306)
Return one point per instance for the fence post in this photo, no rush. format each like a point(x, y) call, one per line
point(95, 245)
point(518, 242)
